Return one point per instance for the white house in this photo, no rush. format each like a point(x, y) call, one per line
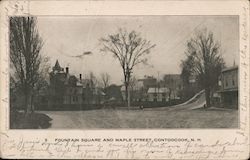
point(158, 94)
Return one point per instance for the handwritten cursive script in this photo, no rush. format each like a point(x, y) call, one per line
point(148, 150)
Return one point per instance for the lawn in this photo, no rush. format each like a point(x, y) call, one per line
point(151, 118)
point(20, 120)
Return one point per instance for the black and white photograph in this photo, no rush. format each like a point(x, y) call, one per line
point(124, 72)
point(143, 79)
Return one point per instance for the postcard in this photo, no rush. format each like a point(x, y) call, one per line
point(124, 79)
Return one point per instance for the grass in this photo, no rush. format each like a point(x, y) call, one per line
point(18, 120)
point(127, 119)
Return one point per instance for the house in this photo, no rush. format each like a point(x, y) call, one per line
point(158, 94)
point(149, 89)
point(174, 83)
point(138, 91)
point(66, 89)
point(147, 82)
point(229, 87)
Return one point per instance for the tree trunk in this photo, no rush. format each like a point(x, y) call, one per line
point(32, 104)
point(126, 92)
point(207, 95)
point(28, 99)
point(127, 95)
point(28, 103)
point(129, 98)
point(126, 83)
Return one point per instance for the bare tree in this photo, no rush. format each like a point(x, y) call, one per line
point(105, 80)
point(188, 90)
point(133, 87)
point(206, 61)
point(25, 46)
point(92, 80)
point(129, 48)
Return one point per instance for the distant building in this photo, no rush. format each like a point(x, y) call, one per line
point(136, 92)
point(156, 94)
point(149, 89)
point(229, 87)
point(139, 91)
point(67, 89)
point(147, 82)
point(174, 83)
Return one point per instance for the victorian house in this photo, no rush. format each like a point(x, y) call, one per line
point(66, 89)
point(229, 87)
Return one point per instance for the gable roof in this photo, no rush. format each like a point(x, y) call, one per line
point(57, 67)
point(230, 68)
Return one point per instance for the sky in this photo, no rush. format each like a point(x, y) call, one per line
point(66, 37)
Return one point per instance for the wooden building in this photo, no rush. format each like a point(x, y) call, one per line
point(229, 87)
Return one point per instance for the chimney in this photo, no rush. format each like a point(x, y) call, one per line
point(67, 70)
point(80, 77)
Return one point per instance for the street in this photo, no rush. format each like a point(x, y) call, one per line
point(190, 114)
point(132, 119)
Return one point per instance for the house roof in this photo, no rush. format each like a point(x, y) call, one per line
point(229, 90)
point(57, 66)
point(230, 68)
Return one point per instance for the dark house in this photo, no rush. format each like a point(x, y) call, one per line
point(229, 87)
point(148, 81)
point(144, 85)
point(66, 90)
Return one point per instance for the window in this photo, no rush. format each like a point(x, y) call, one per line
point(233, 80)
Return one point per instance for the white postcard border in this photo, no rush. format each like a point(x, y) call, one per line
point(235, 140)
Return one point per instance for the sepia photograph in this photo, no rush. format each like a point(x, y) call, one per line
point(124, 79)
point(114, 72)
